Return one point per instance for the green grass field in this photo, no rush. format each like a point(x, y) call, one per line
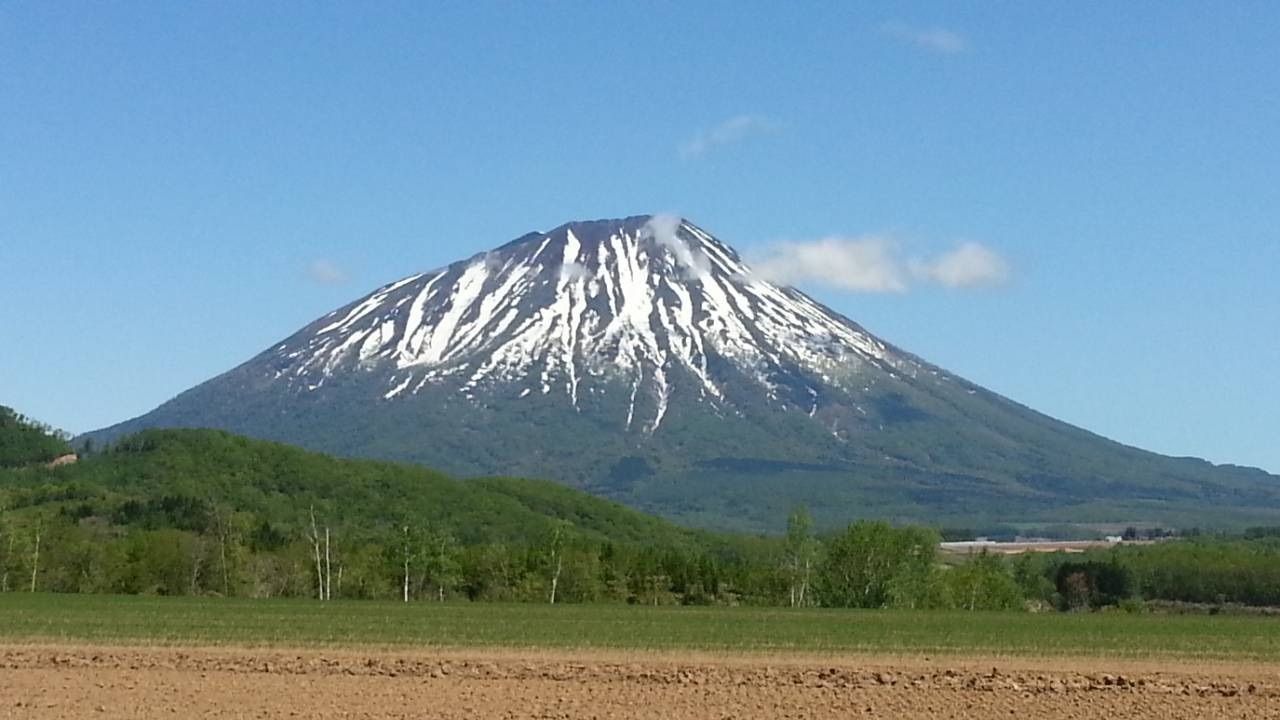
point(150, 620)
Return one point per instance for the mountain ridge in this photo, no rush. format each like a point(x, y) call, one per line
point(643, 360)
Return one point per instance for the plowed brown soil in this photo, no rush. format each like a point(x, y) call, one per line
point(105, 682)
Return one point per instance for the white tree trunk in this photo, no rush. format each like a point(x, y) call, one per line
point(557, 558)
point(315, 548)
point(4, 579)
point(196, 560)
point(406, 563)
point(555, 578)
point(804, 583)
point(328, 568)
point(35, 558)
point(222, 554)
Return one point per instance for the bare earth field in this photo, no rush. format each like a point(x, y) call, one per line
point(79, 681)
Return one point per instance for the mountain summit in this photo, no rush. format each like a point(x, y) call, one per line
point(646, 307)
point(642, 359)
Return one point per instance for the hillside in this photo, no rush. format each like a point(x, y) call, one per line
point(202, 512)
point(178, 477)
point(206, 512)
point(642, 360)
point(26, 442)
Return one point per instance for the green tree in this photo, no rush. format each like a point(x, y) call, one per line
point(361, 574)
point(919, 587)
point(581, 577)
point(490, 572)
point(983, 583)
point(800, 555)
point(1094, 583)
point(159, 562)
point(442, 569)
point(862, 562)
point(230, 531)
point(1030, 572)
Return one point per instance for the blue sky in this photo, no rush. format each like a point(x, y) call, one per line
point(183, 184)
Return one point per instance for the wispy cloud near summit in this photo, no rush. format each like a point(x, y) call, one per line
point(934, 39)
point(971, 265)
point(732, 131)
point(876, 264)
point(858, 264)
point(325, 272)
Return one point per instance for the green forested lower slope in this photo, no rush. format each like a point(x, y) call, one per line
point(24, 441)
point(181, 478)
point(204, 512)
point(208, 512)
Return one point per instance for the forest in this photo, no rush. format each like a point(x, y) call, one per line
point(25, 441)
point(206, 513)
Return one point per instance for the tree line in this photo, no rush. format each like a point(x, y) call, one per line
point(198, 512)
point(183, 546)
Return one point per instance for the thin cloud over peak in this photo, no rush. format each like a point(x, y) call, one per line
point(875, 264)
point(858, 264)
point(732, 131)
point(934, 39)
point(326, 272)
point(971, 265)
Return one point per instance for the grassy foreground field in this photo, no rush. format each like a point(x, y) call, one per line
point(152, 620)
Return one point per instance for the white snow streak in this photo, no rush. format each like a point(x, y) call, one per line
point(576, 311)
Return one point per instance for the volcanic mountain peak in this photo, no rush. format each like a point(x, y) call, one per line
point(636, 301)
point(642, 359)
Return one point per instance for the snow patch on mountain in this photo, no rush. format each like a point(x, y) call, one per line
point(634, 301)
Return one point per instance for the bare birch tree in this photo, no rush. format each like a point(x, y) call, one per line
point(556, 556)
point(8, 558)
point(8, 554)
point(657, 582)
point(328, 567)
point(197, 564)
point(35, 555)
point(222, 552)
point(446, 568)
point(407, 556)
point(315, 552)
point(801, 552)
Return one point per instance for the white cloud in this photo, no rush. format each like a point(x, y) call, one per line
point(860, 264)
point(935, 39)
point(326, 272)
point(663, 229)
point(573, 272)
point(734, 130)
point(970, 265)
point(875, 264)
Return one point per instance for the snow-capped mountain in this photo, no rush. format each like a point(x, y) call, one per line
point(643, 359)
point(586, 306)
